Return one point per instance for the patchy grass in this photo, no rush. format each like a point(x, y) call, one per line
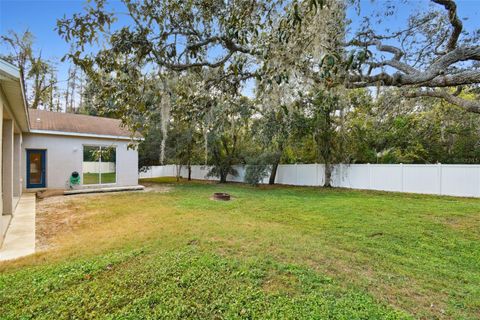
point(185, 284)
point(272, 252)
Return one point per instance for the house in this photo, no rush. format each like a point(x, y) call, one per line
point(41, 149)
point(61, 143)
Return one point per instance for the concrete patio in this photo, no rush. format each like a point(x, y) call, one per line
point(20, 238)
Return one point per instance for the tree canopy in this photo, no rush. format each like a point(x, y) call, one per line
point(319, 90)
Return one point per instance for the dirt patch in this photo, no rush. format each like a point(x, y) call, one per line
point(56, 215)
point(59, 214)
point(277, 282)
point(468, 223)
point(156, 187)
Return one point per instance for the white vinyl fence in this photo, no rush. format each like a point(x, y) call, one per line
point(97, 167)
point(452, 179)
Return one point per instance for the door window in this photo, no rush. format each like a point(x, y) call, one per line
point(36, 168)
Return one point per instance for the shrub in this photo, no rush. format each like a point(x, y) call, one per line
point(257, 169)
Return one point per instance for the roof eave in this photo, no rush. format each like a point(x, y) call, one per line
point(10, 78)
point(82, 134)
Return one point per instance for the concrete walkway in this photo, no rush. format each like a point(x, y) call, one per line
point(20, 238)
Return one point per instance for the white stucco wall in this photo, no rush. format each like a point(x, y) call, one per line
point(65, 155)
point(3, 227)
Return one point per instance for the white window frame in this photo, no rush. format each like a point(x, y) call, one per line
point(99, 161)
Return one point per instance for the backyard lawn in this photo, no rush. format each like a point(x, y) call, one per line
point(272, 252)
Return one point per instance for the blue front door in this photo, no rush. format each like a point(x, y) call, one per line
point(36, 168)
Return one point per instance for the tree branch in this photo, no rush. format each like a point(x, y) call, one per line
point(185, 66)
point(435, 75)
point(456, 23)
point(468, 105)
point(452, 67)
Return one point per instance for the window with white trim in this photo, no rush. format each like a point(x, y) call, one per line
point(99, 165)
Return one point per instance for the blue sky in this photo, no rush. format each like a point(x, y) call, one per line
point(40, 16)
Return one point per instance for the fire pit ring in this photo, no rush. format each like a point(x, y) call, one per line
point(221, 196)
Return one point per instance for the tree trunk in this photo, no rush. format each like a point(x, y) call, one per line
point(36, 102)
point(328, 175)
point(80, 104)
point(223, 176)
point(189, 172)
point(179, 170)
point(273, 173)
point(58, 108)
point(327, 144)
point(68, 90)
point(51, 94)
point(72, 92)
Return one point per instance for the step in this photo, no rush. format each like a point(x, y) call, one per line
point(103, 190)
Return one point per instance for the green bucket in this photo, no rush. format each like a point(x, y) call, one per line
point(74, 178)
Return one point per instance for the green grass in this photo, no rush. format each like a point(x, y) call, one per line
point(94, 178)
point(181, 284)
point(281, 252)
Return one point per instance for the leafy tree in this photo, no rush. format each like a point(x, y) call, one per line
point(180, 148)
point(173, 34)
point(187, 62)
point(318, 71)
point(228, 136)
point(36, 72)
point(184, 136)
point(148, 149)
point(430, 55)
point(424, 131)
point(320, 120)
point(271, 131)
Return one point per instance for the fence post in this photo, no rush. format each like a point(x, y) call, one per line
point(369, 176)
point(296, 174)
point(402, 187)
point(342, 176)
point(439, 172)
point(478, 180)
